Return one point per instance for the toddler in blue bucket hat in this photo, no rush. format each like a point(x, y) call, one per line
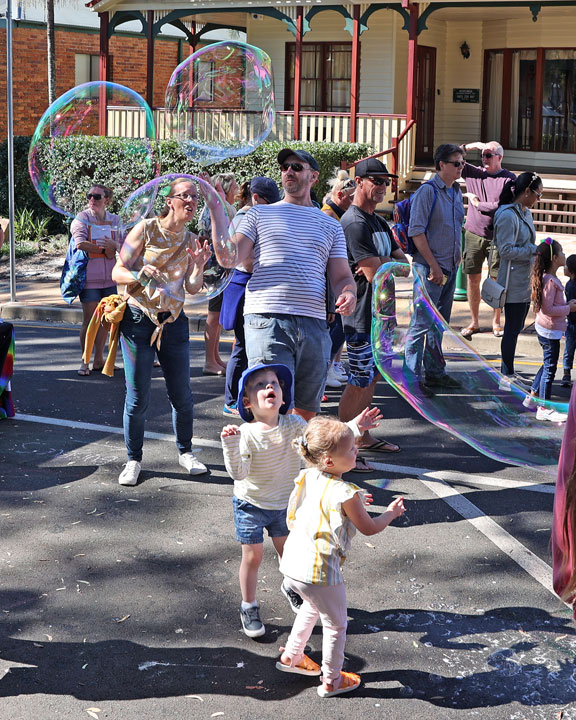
point(261, 460)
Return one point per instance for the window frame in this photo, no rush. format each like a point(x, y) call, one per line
point(506, 89)
point(289, 81)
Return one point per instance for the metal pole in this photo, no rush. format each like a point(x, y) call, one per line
point(10, 139)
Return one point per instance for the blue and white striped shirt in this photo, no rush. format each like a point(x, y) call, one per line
point(292, 246)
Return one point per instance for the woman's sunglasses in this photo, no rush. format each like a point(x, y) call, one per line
point(297, 167)
point(94, 196)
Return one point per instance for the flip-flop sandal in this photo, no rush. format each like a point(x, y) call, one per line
point(497, 331)
point(467, 332)
point(382, 446)
point(306, 666)
point(84, 371)
point(365, 469)
point(349, 681)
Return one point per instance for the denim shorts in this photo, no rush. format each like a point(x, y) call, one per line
point(250, 522)
point(302, 343)
point(96, 294)
point(362, 368)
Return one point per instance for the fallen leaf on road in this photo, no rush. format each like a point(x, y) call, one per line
point(122, 619)
point(369, 545)
point(217, 714)
point(93, 712)
point(195, 697)
point(254, 687)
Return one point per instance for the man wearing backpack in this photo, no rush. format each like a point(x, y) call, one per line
point(370, 244)
point(483, 187)
point(436, 216)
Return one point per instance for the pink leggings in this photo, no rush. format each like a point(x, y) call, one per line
point(327, 602)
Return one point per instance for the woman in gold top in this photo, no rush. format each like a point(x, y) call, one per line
point(168, 260)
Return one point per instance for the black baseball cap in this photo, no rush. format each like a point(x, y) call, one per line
point(372, 166)
point(300, 154)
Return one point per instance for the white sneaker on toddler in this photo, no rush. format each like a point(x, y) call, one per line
point(551, 415)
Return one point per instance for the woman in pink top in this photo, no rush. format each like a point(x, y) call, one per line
point(95, 232)
point(552, 311)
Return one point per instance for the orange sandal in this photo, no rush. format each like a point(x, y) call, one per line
point(306, 666)
point(348, 682)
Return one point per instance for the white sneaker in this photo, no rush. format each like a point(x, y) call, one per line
point(529, 401)
point(129, 476)
point(332, 381)
point(551, 415)
point(190, 463)
point(507, 381)
point(340, 371)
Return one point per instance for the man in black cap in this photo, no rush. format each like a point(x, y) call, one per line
point(370, 244)
point(293, 246)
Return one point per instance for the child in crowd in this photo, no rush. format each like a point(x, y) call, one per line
point(323, 514)
point(259, 457)
point(570, 292)
point(552, 310)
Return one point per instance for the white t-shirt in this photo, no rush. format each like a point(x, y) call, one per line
point(292, 246)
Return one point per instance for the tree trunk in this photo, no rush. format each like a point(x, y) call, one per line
point(51, 51)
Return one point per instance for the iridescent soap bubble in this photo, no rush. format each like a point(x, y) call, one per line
point(486, 411)
point(148, 202)
point(61, 156)
point(219, 102)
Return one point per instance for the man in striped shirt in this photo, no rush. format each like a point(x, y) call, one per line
point(293, 246)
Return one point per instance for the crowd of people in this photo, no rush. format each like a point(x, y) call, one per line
point(300, 291)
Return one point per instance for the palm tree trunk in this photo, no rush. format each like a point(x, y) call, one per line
point(51, 51)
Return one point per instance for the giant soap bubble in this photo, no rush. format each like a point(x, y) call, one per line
point(61, 158)
point(220, 101)
point(487, 411)
point(194, 194)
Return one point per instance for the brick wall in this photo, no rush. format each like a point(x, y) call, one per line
point(30, 78)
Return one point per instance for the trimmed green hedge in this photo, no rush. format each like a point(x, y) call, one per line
point(115, 162)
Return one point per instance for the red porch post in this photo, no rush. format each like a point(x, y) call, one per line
point(298, 70)
point(355, 79)
point(412, 62)
point(103, 73)
point(150, 59)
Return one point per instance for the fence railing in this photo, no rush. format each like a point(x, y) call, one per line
point(213, 126)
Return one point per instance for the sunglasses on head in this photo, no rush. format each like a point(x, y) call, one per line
point(296, 166)
point(377, 180)
point(94, 196)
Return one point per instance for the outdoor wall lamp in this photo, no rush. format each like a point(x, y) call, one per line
point(465, 50)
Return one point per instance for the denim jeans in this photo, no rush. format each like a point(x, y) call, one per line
point(515, 318)
point(174, 356)
point(568, 361)
point(424, 337)
point(238, 360)
point(302, 343)
point(336, 335)
point(542, 383)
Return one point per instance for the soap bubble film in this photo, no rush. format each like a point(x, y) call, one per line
point(486, 411)
point(219, 102)
point(71, 126)
point(150, 200)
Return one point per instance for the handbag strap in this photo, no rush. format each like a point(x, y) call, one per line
point(509, 262)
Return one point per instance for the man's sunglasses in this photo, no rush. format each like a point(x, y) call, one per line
point(376, 180)
point(489, 155)
point(456, 163)
point(297, 167)
point(94, 196)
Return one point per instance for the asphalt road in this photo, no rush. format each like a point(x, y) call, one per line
point(122, 603)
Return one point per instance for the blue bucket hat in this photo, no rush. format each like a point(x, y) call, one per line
point(284, 376)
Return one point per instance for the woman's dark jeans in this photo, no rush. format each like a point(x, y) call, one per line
point(515, 317)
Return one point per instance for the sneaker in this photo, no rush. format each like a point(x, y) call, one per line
point(551, 415)
point(293, 598)
point(424, 389)
point(231, 409)
point(566, 381)
point(331, 380)
point(507, 381)
point(442, 381)
point(340, 371)
point(129, 476)
point(251, 623)
point(529, 401)
point(190, 463)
